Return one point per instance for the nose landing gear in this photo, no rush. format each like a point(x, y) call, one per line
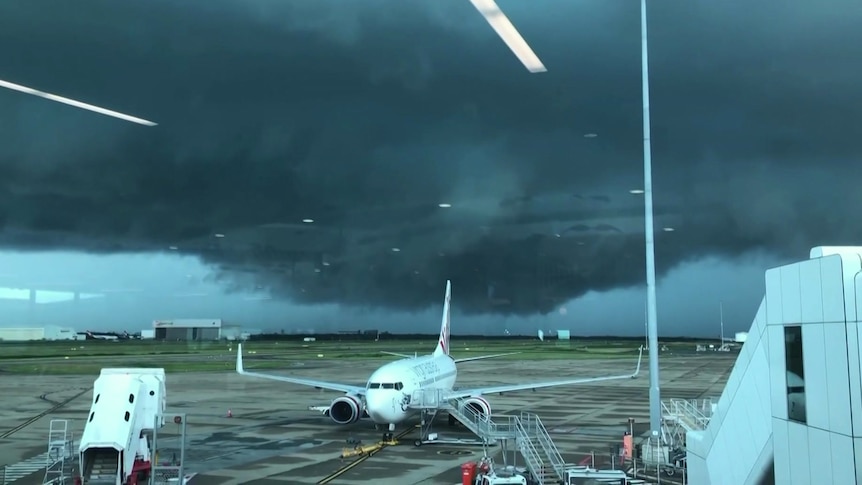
point(388, 436)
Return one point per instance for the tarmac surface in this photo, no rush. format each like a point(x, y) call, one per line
point(272, 437)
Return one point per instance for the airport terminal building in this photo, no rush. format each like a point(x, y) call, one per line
point(791, 413)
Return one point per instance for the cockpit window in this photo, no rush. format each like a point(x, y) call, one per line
point(385, 385)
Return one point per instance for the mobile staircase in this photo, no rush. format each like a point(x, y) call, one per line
point(60, 456)
point(679, 416)
point(530, 437)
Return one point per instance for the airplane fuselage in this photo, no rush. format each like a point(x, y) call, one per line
point(390, 387)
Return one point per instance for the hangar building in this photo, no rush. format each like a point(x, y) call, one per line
point(791, 412)
point(188, 329)
point(23, 334)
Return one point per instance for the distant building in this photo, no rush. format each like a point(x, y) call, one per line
point(60, 333)
point(741, 337)
point(24, 334)
point(148, 334)
point(190, 329)
point(564, 334)
point(233, 332)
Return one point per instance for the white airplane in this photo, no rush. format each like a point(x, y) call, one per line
point(386, 397)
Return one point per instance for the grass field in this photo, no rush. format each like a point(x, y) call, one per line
point(88, 357)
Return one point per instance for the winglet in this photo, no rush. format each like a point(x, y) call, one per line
point(239, 369)
point(640, 356)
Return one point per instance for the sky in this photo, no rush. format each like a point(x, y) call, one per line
point(365, 116)
point(141, 295)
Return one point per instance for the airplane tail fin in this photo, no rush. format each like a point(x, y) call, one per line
point(443, 342)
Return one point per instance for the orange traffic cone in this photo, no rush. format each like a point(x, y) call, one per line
point(229, 413)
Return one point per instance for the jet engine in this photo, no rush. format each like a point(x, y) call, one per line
point(476, 404)
point(346, 409)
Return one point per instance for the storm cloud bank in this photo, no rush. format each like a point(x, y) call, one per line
point(365, 116)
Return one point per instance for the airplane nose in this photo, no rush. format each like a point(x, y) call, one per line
point(381, 407)
point(375, 404)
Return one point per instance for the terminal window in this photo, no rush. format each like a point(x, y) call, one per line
point(795, 374)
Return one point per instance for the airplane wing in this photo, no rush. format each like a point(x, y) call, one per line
point(465, 359)
point(457, 361)
point(333, 386)
point(461, 393)
point(481, 357)
point(396, 354)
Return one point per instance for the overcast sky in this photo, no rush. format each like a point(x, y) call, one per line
point(365, 115)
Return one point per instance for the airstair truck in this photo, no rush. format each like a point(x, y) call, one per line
point(116, 446)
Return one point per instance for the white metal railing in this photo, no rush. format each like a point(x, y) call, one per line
point(532, 438)
point(706, 406)
point(488, 428)
point(537, 429)
point(483, 426)
point(688, 413)
point(426, 399)
point(531, 455)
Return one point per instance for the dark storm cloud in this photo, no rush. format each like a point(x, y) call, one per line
point(365, 115)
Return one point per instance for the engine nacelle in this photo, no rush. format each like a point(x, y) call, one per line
point(346, 409)
point(476, 404)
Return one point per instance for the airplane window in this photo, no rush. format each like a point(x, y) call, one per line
point(388, 385)
point(374, 385)
point(399, 386)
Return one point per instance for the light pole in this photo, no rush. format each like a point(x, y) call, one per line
point(522, 50)
point(646, 327)
point(649, 237)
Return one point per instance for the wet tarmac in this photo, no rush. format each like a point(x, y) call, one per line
point(272, 437)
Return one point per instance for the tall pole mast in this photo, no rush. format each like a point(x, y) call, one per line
point(649, 236)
